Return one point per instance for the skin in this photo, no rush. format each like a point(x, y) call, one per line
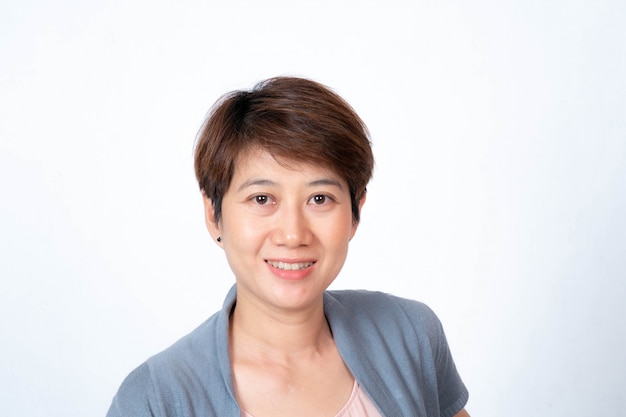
point(277, 213)
point(284, 359)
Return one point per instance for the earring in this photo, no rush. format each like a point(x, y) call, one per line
point(219, 239)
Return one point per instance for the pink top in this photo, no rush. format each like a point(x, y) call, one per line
point(358, 405)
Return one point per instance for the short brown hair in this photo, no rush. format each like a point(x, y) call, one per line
point(291, 118)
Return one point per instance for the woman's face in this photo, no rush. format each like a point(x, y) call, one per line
point(285, 230)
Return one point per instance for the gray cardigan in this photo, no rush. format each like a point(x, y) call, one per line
point(394, 347)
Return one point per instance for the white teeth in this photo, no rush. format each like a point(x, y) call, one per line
point(290, 267)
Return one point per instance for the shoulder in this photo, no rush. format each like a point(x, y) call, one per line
point(183, 355)
point(370, 298)
point(387, 319)
point(135, 396)
point(375, 305)
point(202, 352)
point(162, 381)
point(395, 345)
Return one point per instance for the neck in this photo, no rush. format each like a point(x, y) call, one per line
point(258, 330)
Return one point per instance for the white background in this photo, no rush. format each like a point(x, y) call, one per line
point(499, 196)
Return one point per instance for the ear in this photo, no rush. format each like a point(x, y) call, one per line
point(209, 218)
point(355, 225)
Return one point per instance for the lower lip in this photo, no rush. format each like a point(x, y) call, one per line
point(291, 275)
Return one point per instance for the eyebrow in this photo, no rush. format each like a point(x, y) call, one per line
point(269, 183)
point(252, 182)
point(326, 181)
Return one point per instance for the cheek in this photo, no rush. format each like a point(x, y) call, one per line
point(242, 244)
point(241, 234)
point(339, 232)
point(244, 230)
point(238, 222)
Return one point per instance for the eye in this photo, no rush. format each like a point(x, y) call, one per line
point(261, 199)
point(319, 199)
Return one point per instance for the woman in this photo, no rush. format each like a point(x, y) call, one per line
point(283, 170)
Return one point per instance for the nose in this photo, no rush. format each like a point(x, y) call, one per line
point(292, 227)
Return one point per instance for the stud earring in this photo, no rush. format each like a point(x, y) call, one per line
point(219, 239)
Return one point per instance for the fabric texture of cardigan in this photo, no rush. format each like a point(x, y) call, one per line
point(395, 348)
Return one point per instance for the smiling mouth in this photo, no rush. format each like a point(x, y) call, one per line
point(285, 266)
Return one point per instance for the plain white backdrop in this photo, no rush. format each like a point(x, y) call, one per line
point(499, 196)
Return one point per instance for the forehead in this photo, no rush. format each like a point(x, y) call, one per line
point(259, 163)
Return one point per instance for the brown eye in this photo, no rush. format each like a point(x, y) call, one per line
point(319, 199)
point(261, 199)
